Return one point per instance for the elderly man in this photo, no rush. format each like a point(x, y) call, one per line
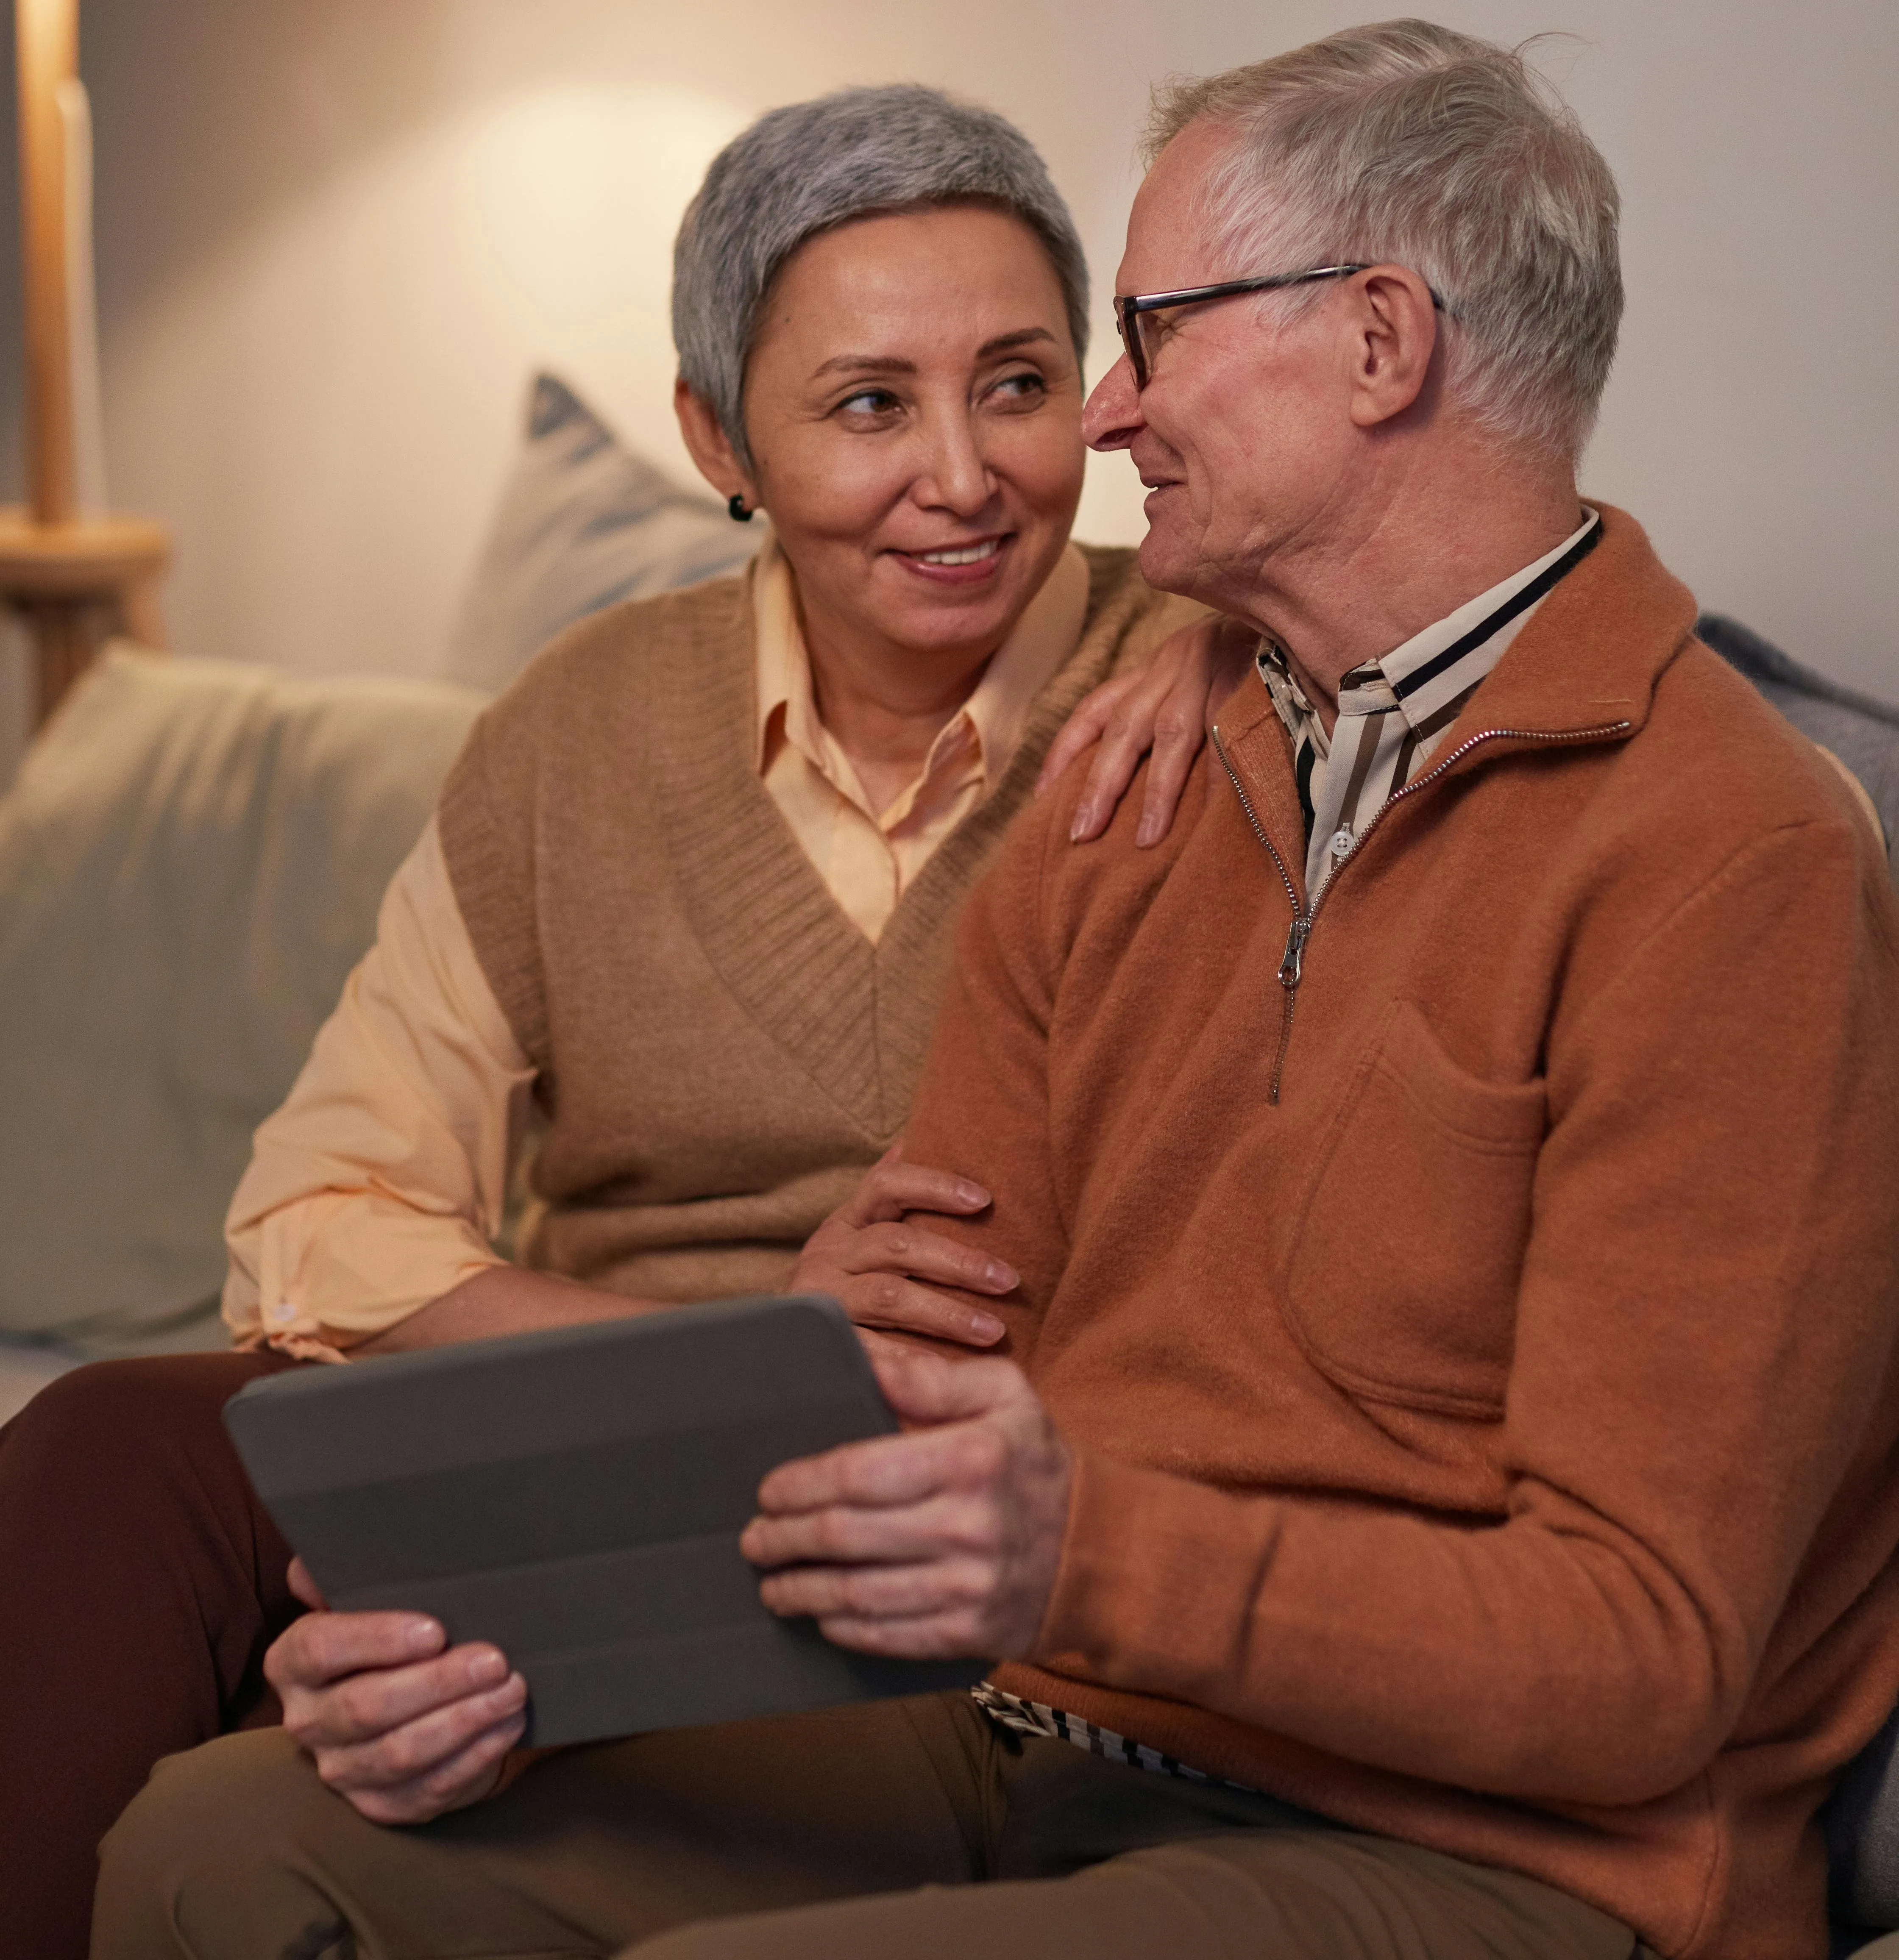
point(1441, 1480)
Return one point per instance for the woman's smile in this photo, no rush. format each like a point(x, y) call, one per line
point(974, 563)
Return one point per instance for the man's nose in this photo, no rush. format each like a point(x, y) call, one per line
point(1112, 419)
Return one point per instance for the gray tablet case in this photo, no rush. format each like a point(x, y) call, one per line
point(576, 1497)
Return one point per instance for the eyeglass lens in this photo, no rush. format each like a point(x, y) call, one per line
point(1140, 334)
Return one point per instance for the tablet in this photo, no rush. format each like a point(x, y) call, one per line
point(576, 1496)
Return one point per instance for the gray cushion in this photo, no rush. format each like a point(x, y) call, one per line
point(1862, 1817)
point(1854, 1939)
point(1861, 731)
point(1862, 1821)
point(583, 523)
point(191, 860)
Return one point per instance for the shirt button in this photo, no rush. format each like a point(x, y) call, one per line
point(284, 1310)
point(1341, 843)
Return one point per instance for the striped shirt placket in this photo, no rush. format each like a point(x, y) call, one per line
point(1036, 1718)
point(1394, 713)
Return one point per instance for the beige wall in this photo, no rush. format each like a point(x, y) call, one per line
point(335, 236)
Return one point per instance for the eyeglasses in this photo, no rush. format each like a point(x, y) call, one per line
point(1132, 309)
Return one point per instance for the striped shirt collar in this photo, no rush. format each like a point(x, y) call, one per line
point(1394, 711)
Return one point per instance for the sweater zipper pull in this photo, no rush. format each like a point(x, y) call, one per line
point(1289, 970)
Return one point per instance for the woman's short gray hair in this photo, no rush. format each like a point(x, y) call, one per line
point(1408, 144)
point(859, 153)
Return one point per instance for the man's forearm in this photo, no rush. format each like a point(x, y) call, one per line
point(503, 1300)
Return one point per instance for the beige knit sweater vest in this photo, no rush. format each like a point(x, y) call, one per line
point(721, 1053)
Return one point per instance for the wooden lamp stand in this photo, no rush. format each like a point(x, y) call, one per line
point(75, 578)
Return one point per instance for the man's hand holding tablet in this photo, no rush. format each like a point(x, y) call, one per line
point(942, 1541)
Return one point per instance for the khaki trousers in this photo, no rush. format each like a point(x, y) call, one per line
point(907, 1830)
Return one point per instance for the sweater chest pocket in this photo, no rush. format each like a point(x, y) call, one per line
point(1403, 1271)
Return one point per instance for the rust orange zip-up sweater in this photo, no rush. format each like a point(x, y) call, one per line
point(1491, 1443)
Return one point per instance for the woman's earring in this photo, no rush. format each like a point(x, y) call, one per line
point(735, 508)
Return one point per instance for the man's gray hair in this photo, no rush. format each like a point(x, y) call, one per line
point(797, 171)
point(1408, 144)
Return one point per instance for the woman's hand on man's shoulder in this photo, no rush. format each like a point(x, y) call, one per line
point(1166, 706)
point(888, 1269)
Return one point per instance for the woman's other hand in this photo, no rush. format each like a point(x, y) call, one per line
point(403, 1725)
point(1166, 706)
point(874, 1258)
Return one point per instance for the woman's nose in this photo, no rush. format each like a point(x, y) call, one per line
point(955, 476)
point(1112, 419)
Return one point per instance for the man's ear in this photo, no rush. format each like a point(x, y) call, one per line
point(711, 446)
point(1394, 332)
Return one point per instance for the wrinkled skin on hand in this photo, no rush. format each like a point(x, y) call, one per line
point(1166, 706)
point(942, 1541)
point(874, 1257)
point(402, 1724)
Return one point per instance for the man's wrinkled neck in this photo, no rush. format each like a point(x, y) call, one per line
point(1379, 567)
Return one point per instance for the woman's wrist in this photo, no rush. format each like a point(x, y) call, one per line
point(503, 1299)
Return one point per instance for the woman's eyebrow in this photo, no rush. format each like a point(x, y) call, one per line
point(1023, 337)
point(863, 363)
point(890, 364)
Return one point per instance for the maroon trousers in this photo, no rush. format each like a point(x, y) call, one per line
point(141, 1582)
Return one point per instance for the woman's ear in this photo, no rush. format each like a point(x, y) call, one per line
point(711, 446)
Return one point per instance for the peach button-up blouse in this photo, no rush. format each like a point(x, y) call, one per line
point(380, 1183)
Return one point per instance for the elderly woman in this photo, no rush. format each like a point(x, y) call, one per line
point(688, 896)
